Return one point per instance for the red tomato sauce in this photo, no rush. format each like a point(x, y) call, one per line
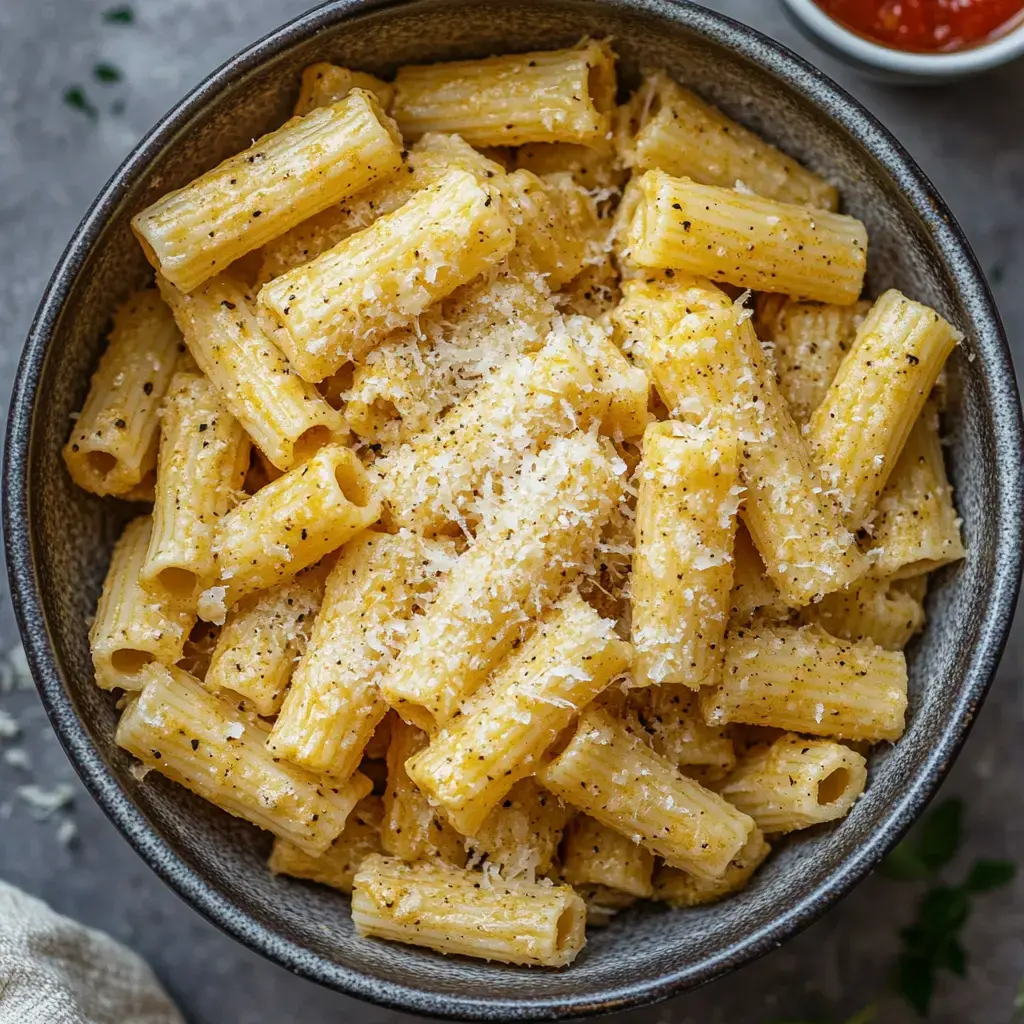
point(925, 26)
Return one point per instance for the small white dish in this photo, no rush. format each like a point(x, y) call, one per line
point(900, 66)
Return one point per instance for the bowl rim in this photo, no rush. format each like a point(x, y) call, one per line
point(833, 103)
point(981, 57)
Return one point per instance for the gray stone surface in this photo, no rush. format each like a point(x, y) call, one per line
point(53, 160)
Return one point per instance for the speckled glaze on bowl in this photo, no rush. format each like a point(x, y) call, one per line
point(59, 539)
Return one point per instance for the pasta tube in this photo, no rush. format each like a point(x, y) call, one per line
point(809, 341)
point(195, 232)
point(337, 307)
point(681, 889)
point(113, 443)
point(426, 163)
point(333, 705)
point(594, 854)
point(447, 908)
point(133, 627)
point(710, 367)
point(284, 415)
point(626, 386)
point(916, 528)
point(540, 537)
point(807, 681)
point(867, 414)
point(875, 610)
point(556, 223)
point(412, 829)
point(546, 96)
point(434, 479)
point(288, 525)
point(747, 241)
point(671, 715)
point(503, 732)
point(669, 128)
point(796, 783)
point(595, 167)
point(682, 568)
point(611, 774)
point(323, 84)
point(203, 461)
point(204, 744)
point(263, 637)
point(520, 836)
point(753, 589)
point(338, 864)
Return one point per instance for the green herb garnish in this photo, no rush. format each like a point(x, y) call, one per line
point(120, 15)
point(75, 97)
point(106, 73)
point(932, 942)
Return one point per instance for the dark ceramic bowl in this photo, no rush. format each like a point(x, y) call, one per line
point(59, 538)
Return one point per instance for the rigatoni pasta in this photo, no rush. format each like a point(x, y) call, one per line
point(503, 733)
point(916, 528)
point(335, 308)
point(494, 102)
point(805, 680)
point(594, 854)
point(134, 626)
point(194, 233)
point(203, 743)
point(669, 128)
point(796, 783)
point(611, 774)
point(682, 565)
point(323, 84)
point(446, 908)
point(427, 161)
point(288, 525)
point(494, 504)
point(263, 637)
point(809, 341)
point(865, 418)
point(333, 705)
point(746, 240)
point(285, 416)
point(113, 441)
point(204, 458)
point(338, 864)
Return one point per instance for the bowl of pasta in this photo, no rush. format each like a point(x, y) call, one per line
point(513, 516)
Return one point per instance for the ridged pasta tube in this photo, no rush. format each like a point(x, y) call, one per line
point(545, 96)
point(447, 908)
point(195, 232)
point(285, 416)
point(113, 442)
point(807, 681)
point(504, 730)
point(541, 536)
point(614, 776)
point(204, 744)
point(868, 412)
point(337, 307)
point(288, 525)
point(747, 241)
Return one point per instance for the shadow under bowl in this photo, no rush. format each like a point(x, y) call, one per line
point(59, 539)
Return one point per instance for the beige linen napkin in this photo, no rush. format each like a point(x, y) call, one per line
point(55, 971)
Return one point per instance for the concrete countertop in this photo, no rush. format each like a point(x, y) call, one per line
point(53, 159)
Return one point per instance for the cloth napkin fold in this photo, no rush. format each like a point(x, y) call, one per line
point(56, 971)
